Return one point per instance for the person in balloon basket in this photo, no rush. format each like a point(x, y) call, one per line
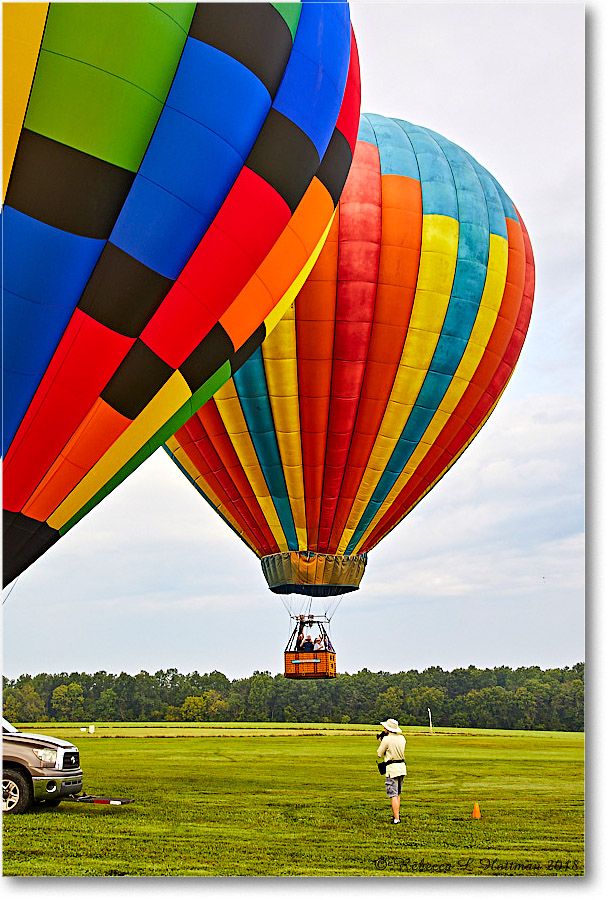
point(307, 645)
point(392, 750)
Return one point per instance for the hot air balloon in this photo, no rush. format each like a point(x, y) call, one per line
point(174, 169)
point(377, 378)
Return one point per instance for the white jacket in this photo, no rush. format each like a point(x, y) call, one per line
point(392, 747)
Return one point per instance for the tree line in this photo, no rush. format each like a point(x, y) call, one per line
point(523, 698)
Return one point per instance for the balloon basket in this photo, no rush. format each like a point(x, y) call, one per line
point(321, 664)
point(315, 661)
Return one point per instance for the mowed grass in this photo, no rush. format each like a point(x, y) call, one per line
point(306, 800)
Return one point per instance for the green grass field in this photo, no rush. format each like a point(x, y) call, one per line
point(276, 799)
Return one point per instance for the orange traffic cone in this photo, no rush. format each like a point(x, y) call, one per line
point(476, 811)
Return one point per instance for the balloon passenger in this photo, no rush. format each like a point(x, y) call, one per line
point(299, 639)
point(307, 645)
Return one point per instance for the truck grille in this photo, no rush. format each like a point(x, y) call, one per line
point(71, 759)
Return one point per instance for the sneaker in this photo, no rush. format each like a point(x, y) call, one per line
point(395, 821)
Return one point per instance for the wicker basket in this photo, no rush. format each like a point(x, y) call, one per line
point(318, 664)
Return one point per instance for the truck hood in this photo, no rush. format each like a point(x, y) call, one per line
point(21, 736)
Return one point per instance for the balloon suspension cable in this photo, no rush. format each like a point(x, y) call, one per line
point(14, 585)
point(300, 606)
point(333, 606)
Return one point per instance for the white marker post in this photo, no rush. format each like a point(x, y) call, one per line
point(430, 722)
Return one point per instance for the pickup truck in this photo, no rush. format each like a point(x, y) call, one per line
point(35, 768)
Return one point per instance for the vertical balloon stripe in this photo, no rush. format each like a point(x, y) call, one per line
point(357, 276)
point(495, 199)
point(525, 315)
point(367, 141)
point(472, 411)
point(229, 408)
point(22, 30)
point(397, 153)
point(509, 210)
point(315, 323)
point(439, 193)
point(484, 388)
point(208, 433)
point(252, 391)
point(435, 278)
point(417, 489)
point(480, 335)
point(435, 281)
point(467, 291)
point(484, 323)
point(182, 461)
point(397, 275)
point(199, 455)
point(281, 371)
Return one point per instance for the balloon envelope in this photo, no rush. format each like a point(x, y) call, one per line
point(389, 362)
point(174, 169)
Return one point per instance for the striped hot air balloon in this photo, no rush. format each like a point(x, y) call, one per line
point(172, 170)
point(378, 377)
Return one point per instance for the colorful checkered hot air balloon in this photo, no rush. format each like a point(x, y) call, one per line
point(172, 171)
point(387, 365)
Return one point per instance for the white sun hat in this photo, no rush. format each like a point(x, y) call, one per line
point(392, 725)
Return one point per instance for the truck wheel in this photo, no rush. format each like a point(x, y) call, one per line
point(16, 792)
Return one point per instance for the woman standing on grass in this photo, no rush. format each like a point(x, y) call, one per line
point(392, 749)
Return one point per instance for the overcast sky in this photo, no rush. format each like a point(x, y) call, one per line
point(489, 569)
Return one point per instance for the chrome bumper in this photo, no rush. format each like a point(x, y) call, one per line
point(56, 786)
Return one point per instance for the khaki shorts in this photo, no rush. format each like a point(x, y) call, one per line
point(393, 785)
